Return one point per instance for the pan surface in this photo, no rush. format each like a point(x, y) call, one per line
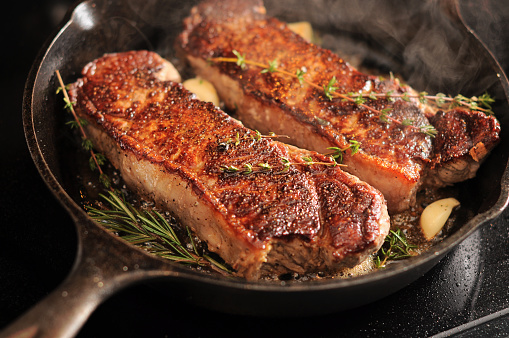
point(433, 51)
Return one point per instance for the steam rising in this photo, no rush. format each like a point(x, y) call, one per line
point(423, 41)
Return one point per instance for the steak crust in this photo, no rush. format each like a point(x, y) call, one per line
point(394, 158)
point(179, 151)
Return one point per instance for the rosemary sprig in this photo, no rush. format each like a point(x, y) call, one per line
point(395, 247)
point(481, 103)
point(149, 230)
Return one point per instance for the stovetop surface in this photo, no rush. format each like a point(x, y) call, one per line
point(466, 294)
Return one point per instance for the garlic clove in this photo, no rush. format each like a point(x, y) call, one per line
point(435, 215)
point(203, 89)
point(302, 28)
point(168, 72)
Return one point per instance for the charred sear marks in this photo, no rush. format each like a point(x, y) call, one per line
point(289, 195)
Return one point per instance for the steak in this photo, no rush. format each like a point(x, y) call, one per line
point(396, 158)
point(264, 206)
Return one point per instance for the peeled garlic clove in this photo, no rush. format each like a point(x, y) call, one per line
point(302, 28)
point(435, 215)
point(203, 89)
point(168, 72)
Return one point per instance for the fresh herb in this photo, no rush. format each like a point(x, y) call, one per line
point(329, 89)
point(144, 228)
point(249, 168)
point(241, 59)
point(482, 103)
point(233, 169)
point(299, 74)
point(96, 160)
point(395, 247)
point(272, 67)
point(264, 166)
point(148, 229)
point(337, 153)
point(384, 115)
point(257, 136)
point(429, 130)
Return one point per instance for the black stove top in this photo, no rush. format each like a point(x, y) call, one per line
point(465, 295)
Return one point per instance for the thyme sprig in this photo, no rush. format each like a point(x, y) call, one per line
point(336, 156)
point(252, 137)
point(151, 231)
point(395, 247)
point(96, 160)
point(247, 168)
point(482, 103)
point(284, 166)
point(337, 153)
point(330, 90)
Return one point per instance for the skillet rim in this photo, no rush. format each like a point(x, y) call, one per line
point(421, 263)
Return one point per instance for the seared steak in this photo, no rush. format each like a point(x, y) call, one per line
point(394, 157)
point(265, 207)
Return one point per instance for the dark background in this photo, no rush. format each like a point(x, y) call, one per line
point(468, 292)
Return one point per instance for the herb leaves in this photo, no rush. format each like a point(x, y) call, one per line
point(147, 229)
point(151, 231)
point(395, 247)
point(330, 90)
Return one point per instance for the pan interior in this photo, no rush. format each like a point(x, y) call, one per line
point(430, 51)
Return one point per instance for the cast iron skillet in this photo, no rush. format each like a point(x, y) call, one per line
point(427, 44)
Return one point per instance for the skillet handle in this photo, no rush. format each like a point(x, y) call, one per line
point(104, 265)
point(64, 311)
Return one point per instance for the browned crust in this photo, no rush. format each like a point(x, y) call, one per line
point(394, 150)
point(155, 131)
point(464, 139)
point(462, 132)
point(392, 155)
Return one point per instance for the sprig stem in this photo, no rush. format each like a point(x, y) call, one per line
point(96, 160)
point(359, 99)
point(395, 247)
point(150, 230)
point(249, 168)
point(299, 74)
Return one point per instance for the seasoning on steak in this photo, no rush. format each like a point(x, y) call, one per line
point(287, 215)
point(396, 159)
